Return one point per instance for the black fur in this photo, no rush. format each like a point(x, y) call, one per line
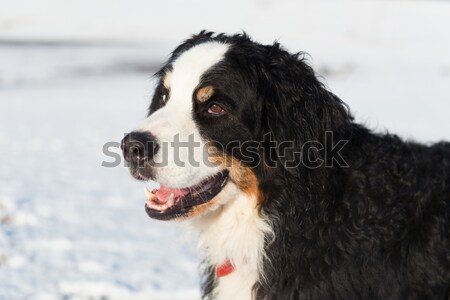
point(377, 228)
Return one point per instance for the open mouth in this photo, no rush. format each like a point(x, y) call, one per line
point(167, 203)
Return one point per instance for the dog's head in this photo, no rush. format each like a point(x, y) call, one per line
point(220, 104)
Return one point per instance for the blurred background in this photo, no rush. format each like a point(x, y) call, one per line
point(75, 75)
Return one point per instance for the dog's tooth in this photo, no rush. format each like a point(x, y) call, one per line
point(171, 200)
point(148, 194)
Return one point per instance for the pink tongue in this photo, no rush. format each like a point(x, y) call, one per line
point(164, 192)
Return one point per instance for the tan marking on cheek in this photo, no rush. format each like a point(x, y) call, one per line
point(204, 93)
point(243, 176)
point(201, 209)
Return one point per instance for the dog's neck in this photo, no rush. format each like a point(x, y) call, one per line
point(237, 232)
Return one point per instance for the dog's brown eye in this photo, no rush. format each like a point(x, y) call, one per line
point(164, 96)
point(215, 109)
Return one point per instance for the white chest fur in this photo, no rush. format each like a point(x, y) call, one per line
point(236, 231)
point(238, 285)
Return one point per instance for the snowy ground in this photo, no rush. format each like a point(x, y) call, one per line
point(72, 229)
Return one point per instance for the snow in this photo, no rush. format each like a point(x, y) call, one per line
point(75, 75)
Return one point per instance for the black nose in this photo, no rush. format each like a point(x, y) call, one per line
point(138, 147)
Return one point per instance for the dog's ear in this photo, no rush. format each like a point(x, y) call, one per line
point(297, 107)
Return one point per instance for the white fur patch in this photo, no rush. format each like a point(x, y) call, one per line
point(174, 120)
point(233, 229)
point(238, 232)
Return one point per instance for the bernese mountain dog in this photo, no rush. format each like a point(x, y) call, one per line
point(291, 198)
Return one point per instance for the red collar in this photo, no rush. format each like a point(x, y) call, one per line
point(224, 269)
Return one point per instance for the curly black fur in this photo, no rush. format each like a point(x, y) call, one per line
point(377, 228)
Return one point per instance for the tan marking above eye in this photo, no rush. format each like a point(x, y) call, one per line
point(167, 80)
point(204, 93)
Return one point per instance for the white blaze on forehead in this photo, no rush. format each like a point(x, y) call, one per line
point(175, 118)
point(192, 64)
